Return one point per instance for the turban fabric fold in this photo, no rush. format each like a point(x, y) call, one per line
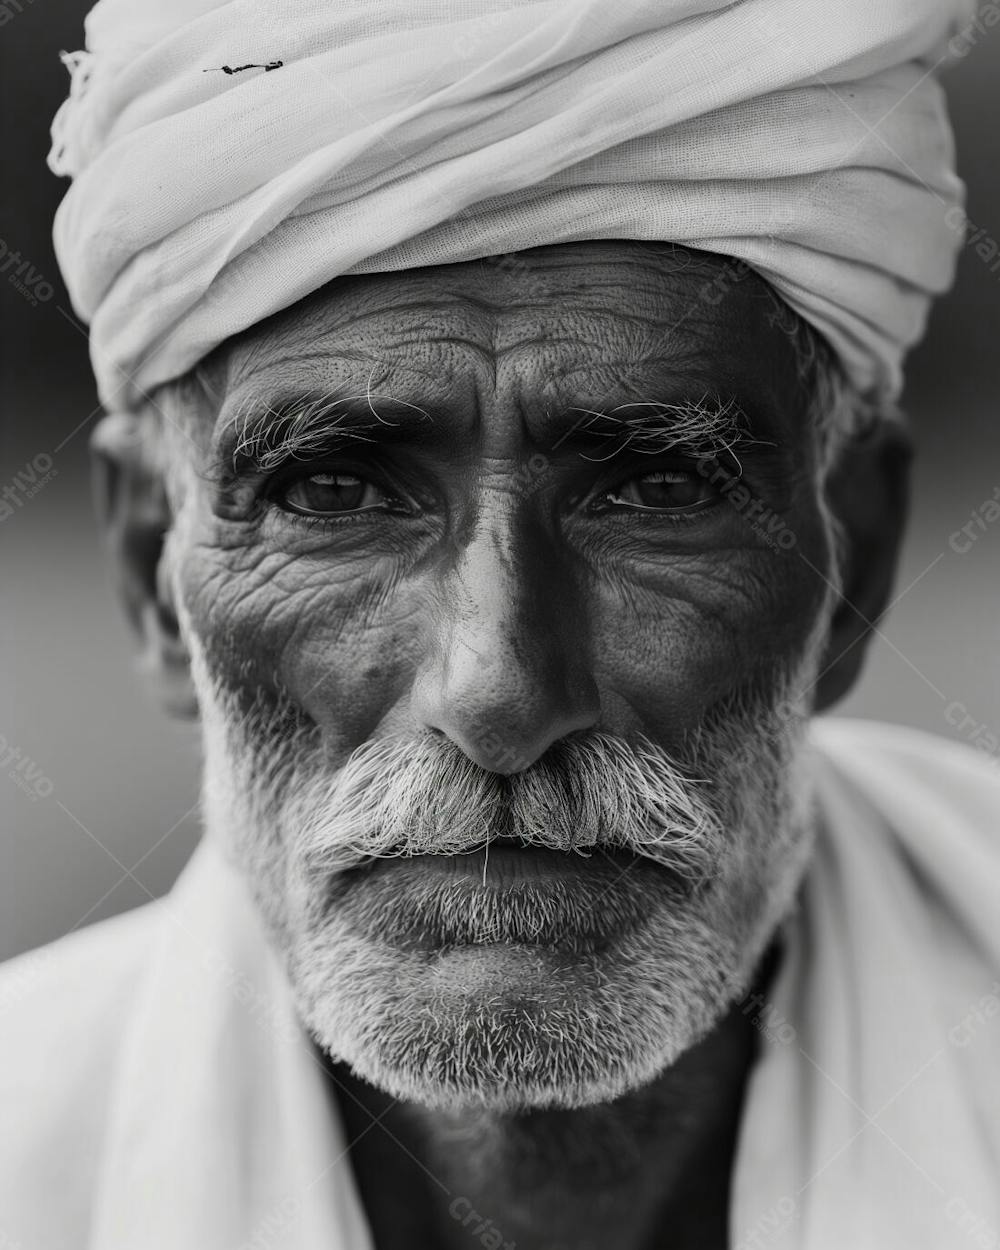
point(230, 158)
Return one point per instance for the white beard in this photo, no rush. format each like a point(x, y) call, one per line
point(507, 1024)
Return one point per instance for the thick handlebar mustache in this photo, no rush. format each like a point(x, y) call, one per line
point(424, 796)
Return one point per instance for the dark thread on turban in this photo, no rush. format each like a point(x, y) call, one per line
point(238, 69)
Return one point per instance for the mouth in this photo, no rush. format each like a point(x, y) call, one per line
point(506, 894)
point(507, 862)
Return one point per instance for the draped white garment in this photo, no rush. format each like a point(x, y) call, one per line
point(156, 1091)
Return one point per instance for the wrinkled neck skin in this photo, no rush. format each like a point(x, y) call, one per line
point(651, 1169)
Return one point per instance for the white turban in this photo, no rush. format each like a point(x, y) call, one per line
point(230, 158)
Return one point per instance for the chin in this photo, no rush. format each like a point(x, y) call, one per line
point(469, 1010)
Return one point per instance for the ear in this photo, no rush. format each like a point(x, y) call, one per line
point(868, 493)
point(134, 516)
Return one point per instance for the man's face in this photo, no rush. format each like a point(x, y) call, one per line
point(436, 601)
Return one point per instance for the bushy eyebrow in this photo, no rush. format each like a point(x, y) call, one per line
point(707, 427)
point(261, 437)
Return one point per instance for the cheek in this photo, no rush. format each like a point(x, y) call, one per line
point(674, 641)
point(323, 632)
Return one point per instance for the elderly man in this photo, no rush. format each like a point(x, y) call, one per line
point(502, 458)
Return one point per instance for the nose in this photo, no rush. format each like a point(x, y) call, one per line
point(506, 672)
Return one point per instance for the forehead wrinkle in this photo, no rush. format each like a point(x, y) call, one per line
point(465, 288)
point(267, 356)
point(590, 316)
point(483, 352)
point(609, 377)
point(387, 304)
point(618, 318)
point(590, 329)
point(394, 342)
point(654, 283)
point(350, 311)
point(595, 351)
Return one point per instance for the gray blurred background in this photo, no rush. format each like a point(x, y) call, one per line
point(98, 790)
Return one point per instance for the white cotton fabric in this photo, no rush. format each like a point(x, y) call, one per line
point(806, 139)
point(156, 1089)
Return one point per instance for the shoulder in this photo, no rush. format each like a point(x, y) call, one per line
point(63, 1009)
point(49, 994)
point(872, 753)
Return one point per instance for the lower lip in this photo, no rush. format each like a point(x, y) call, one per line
point(504, 865)
point(533, 897)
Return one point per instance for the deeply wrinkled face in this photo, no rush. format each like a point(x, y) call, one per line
point(504, 586)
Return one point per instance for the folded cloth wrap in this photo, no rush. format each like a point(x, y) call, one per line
point(230, 158)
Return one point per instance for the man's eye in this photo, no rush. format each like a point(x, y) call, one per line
point(326, 494)
point(666, 490)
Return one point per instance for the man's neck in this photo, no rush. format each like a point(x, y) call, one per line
point(650, 1169)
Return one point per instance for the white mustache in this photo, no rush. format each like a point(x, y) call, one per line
point(424, 796)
